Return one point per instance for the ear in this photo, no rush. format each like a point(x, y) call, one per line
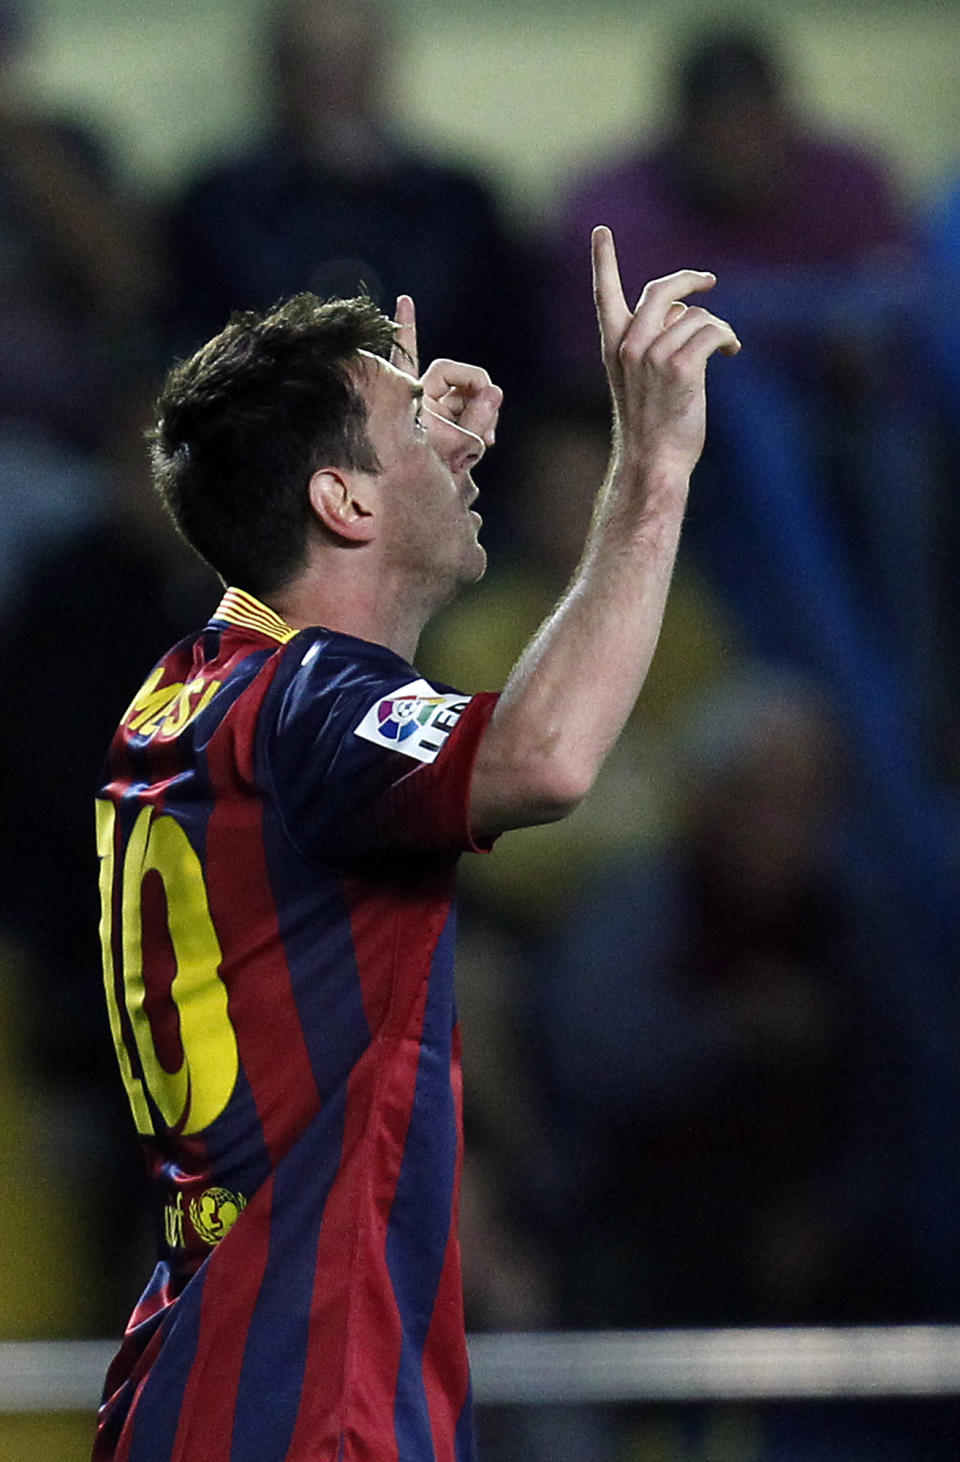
point(345, 503)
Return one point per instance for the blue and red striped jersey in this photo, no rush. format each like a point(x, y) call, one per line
point(278, 834)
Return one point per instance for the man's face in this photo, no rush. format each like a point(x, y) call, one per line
point(737, 150)
point(426, 488)
point(333, 63)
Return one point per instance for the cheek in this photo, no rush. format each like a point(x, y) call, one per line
point(438, 488)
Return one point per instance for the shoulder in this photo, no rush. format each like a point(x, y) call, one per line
point(445, 187)
point(342, 728)
point(623, 192)
point(414, 164)
point(852, 187)
point(233, 175)
point(318, 661)
point(840, 164)
point(329, 686)
point(83, 144)
point(632, 171)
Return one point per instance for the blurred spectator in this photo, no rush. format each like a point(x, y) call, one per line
point(725, 1081)
point(76, 279)
point(738, 181)
point(799, 517)
point(94, 610)
point(334, 197)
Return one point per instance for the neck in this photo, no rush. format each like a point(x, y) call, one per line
point(367, 607)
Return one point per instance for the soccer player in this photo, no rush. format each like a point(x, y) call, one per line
point(284, 807)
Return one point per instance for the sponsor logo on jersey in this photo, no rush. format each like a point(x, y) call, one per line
point(215, 1212)
point(415, 720)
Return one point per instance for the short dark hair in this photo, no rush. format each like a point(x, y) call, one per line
point(246, 421)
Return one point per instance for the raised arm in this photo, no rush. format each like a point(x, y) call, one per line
point(572, 690)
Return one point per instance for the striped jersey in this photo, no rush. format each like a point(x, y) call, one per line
point(278, 833)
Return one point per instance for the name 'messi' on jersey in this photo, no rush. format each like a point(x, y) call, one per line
point(166, 710)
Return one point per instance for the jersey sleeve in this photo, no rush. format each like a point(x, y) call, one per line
point(363, 758)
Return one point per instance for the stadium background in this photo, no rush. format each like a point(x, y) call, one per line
point(528, 93)
point(178, 80)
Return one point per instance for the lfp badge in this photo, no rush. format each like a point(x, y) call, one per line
point(415, 720)
point(400, 717)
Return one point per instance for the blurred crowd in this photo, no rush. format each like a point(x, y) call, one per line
point(711, 1021)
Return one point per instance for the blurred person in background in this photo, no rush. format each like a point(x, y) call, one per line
point(334, 198)
point(739, 176)
point(733, 1136)
point(732, 1148)
point(93, 606)
point(78, 280)
point(835, 413)
point(823, 506)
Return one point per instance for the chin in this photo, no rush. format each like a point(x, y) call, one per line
point(470, 570)
point(477, 567)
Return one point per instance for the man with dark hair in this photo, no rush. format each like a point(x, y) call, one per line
point(249, 419)
point(285, 803)
point(333, 195)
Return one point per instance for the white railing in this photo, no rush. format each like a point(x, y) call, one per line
point(717, 1365)
point(655, 1365)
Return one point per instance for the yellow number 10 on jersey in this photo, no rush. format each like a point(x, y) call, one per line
point(194, 1095)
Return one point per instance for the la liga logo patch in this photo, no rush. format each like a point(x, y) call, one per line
point(415, 720)
point(399, 717)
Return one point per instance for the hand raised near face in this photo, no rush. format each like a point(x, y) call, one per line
point(457, 393)
point(656, 356)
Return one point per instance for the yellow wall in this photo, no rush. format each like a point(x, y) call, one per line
point(60, 1437)
point(40, 1294)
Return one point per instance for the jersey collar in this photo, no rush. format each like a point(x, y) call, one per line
point(243, 611)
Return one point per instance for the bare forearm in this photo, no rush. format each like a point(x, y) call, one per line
point(574, 687)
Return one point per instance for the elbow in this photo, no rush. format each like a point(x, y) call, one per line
point(539, 785)
point(550, 788)
point(560, 788)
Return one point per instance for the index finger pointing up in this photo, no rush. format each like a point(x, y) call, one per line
point(404, 352)
point(612, 312)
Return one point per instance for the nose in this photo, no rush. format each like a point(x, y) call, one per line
point(459, 448)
